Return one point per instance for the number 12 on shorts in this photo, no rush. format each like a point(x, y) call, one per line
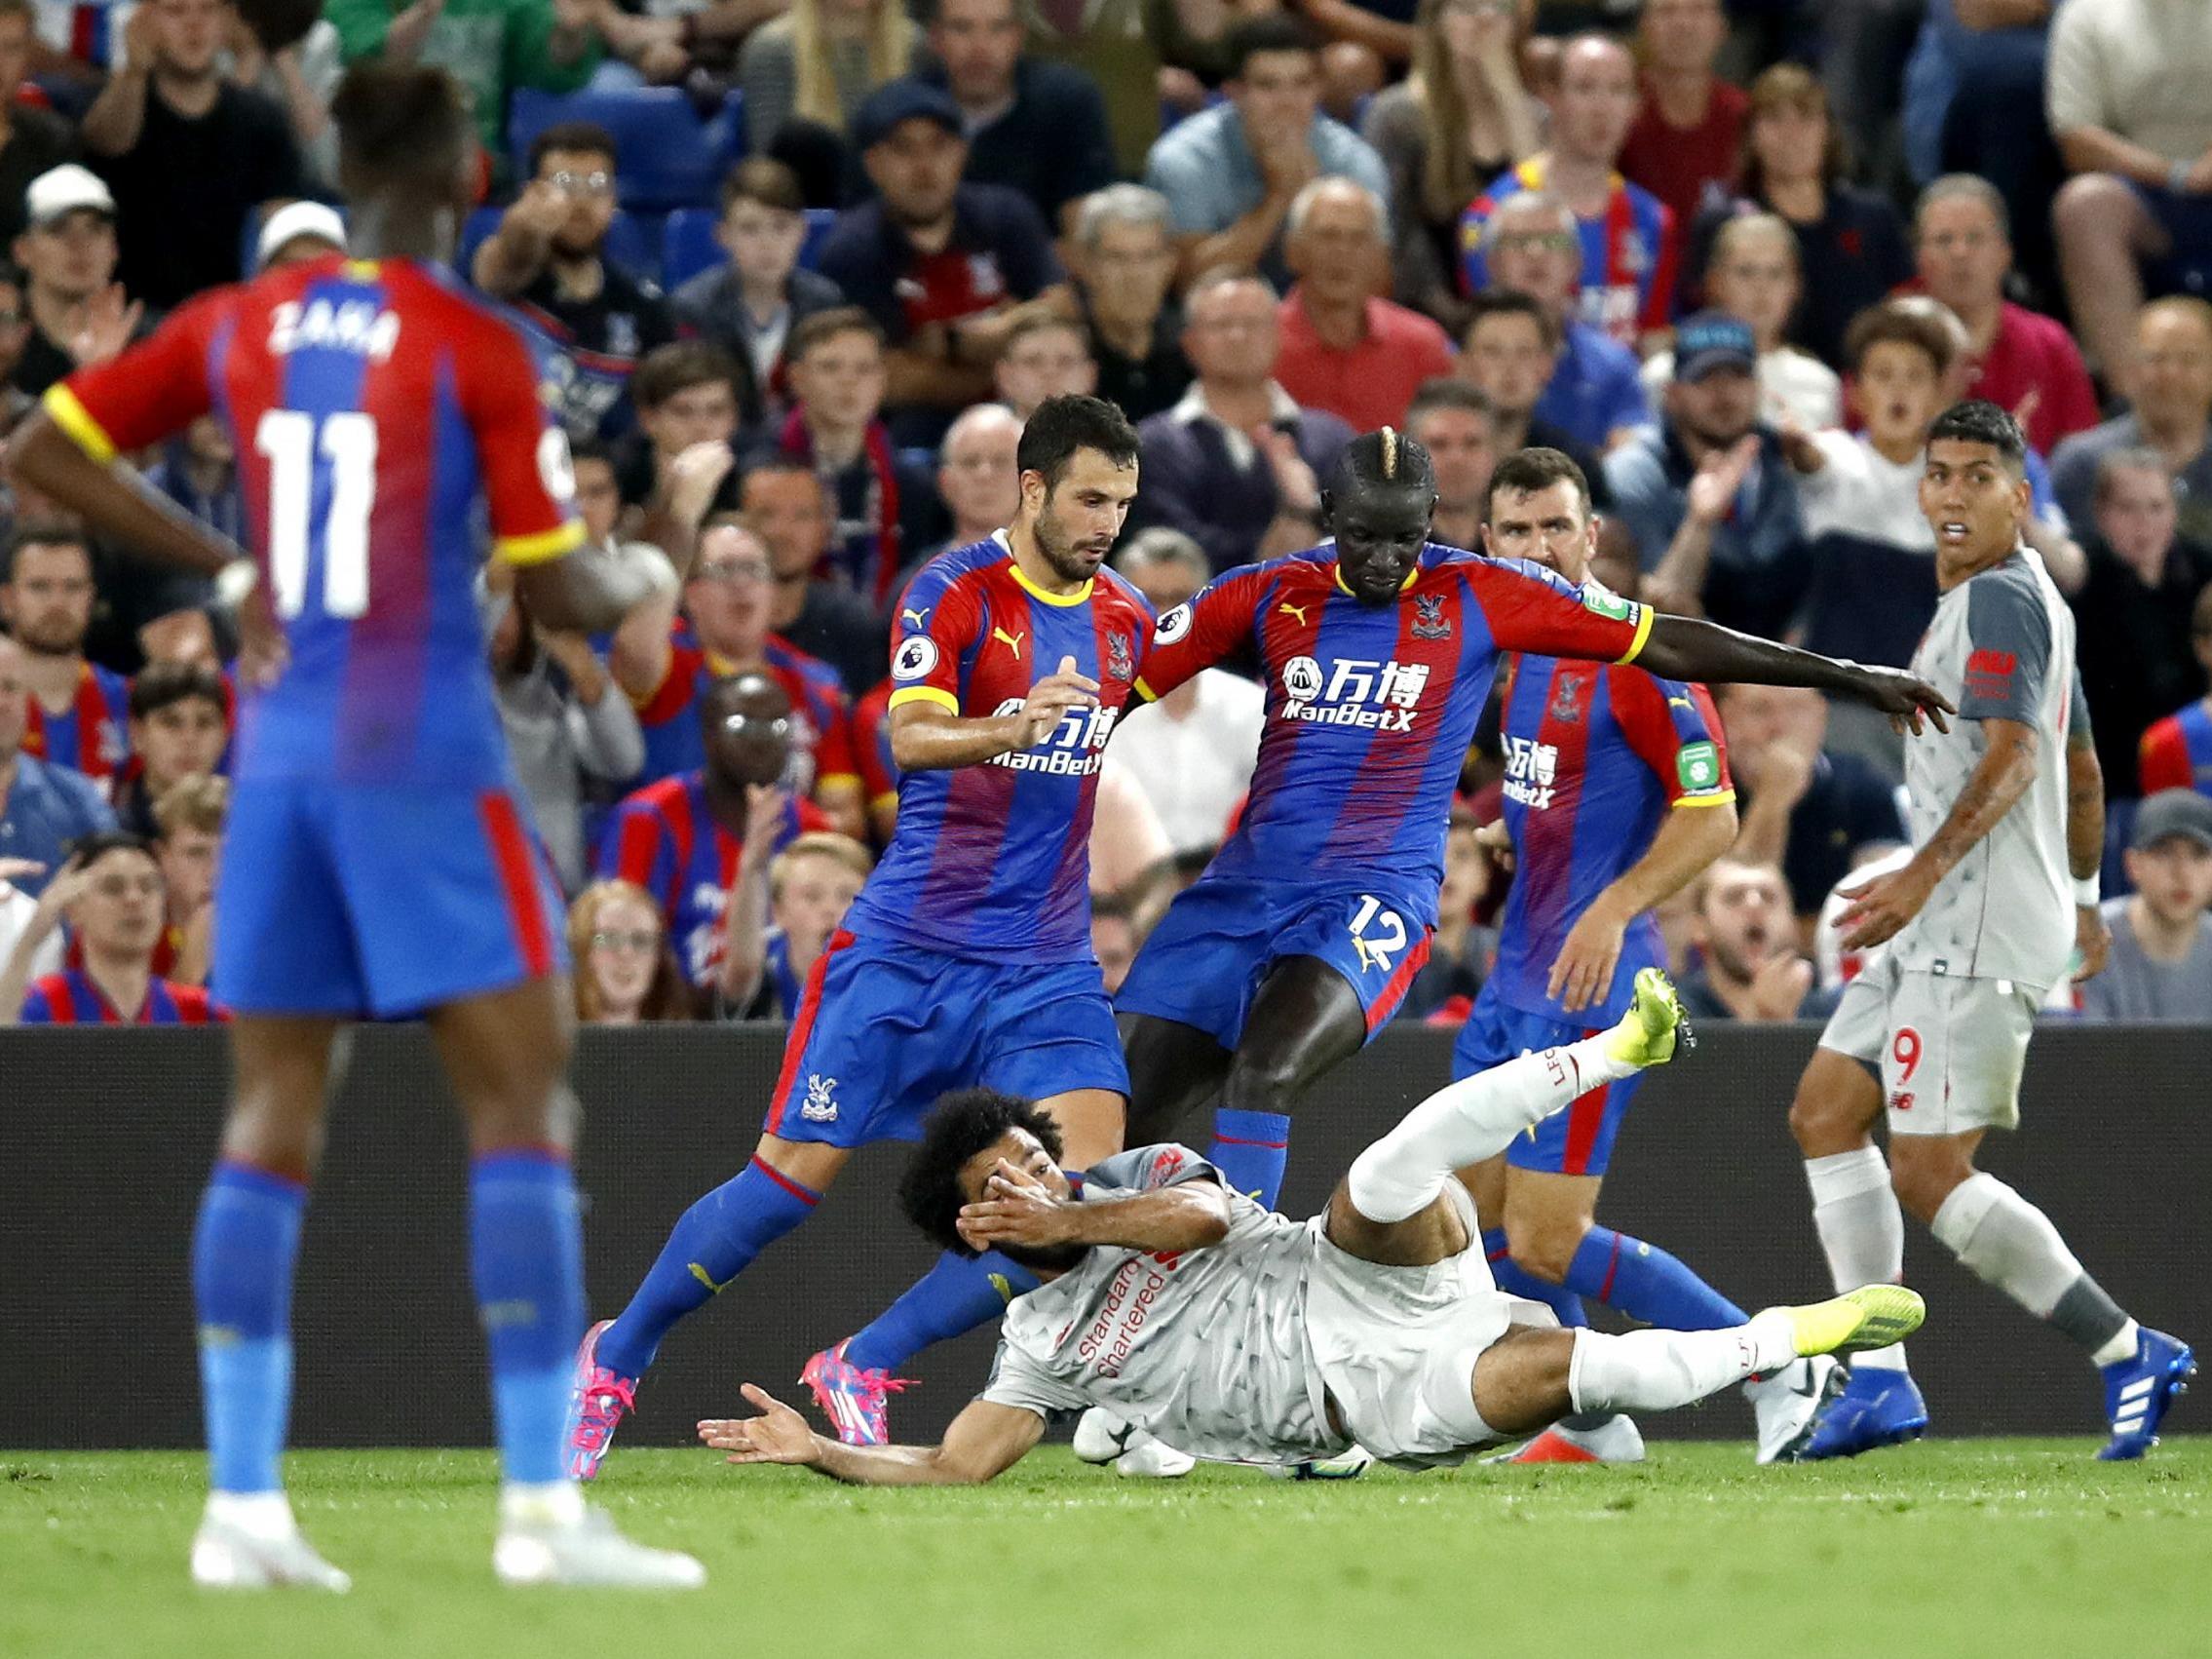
point(1388, 935)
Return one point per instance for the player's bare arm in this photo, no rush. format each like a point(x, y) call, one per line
point(1017, 1209)
point(2007, 769)
point(927, 737)
point(2085, 845)
point(1682, 648)
point(1690, 837)
point(982, 1442)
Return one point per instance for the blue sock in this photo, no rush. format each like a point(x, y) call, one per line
point(243, 1252)
point(526, 1257)
point(955, 1297)
point(1249, 1149)
point(1517, 1281)
point(708, 1246)
point(1646, 1282)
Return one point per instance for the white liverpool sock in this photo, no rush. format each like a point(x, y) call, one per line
point(1862, 1231)
point(2006, 1241)
point(1660, 1370)
point(1471, 1120)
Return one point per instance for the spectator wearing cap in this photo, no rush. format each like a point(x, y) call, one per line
point(2176, 753)
point(944, 268)
point(547, 259)
point(78, 710)
point(43, 806)
point(1707, 494)
point(1230, 172)
point(2132, 615)
point(296, 233)
point(187, 151)
point(31, 140)
point(2172, 413)
point(2161, 953)
point(1032, 125)
point(1754, 275)
point(77, 310)
point(1237, 464)
point(785, 501)
point(1688, 135)
point(1125, 266)
point(113, 897)
point(1345, 349)
point(180, 727)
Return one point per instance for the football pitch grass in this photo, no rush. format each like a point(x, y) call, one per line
point(1947, 1548)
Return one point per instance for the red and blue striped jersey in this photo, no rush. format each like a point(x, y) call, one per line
point(992, 863)
point(821, 733)
point(374, 406)
point(2176, 753)
point(871, 745)
point(1370, 709)
point(666, 839)
point(1594, 756)
point(94, 735)
point(71, 999)
point(1629, 254)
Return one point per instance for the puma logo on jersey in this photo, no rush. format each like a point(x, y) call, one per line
point(919, 618)
point(1011, 641)
point(1299, 611)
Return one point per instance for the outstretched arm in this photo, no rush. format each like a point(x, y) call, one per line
point(1680, 647)
point(983, 1442)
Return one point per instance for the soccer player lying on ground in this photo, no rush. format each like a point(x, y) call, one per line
point(1243, 1336)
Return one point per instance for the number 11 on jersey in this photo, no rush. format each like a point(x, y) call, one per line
point(291, 441)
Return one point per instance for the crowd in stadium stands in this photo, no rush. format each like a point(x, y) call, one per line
point(800, 268)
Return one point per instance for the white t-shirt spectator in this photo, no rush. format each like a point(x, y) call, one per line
point(2134, 67)
point(16, 909)
point(1195, 769)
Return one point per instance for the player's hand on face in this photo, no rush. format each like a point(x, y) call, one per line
point(1582, 976)
point(1017, 1209)
point(1048, 699)
point(778, 1435)
point(1880, 909)
point(2092, 939)
point(1905, 698)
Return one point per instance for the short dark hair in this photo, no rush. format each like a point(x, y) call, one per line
point(1275, 32)
point(678, 366)
point(1526, 471)
point(964, 1123)
point(765, 180)
point(42, 532)
point(1511, 302)
point(400, 122)
point(809, 332)
point(164, 683)
point(1448, 391)
point(1977, 420)
point(591, 449)
point(1892, 323)
point(578, 138)
point(1060, 426)
point(89, 850)
point(1386, 459)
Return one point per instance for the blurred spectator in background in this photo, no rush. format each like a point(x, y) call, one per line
point(1123, 265)
point(1591, 391)
point(1461, 954)
point(2128, 107)
point(879, 771)
point(784, 502)
point(1813, 812)
point(15, 333)
point(785, 910)
point(2025, 361)
point(1513, 342)
point(43, 806)
point(547, 259)
point(1132, 861)
point(1754, 276)
point(749, 305)
point(805, 75)
point(1751, 969)
point(296, 233)
point(32, 140)
point(300, 79)
point(884, 502)
point(78, 712)
point(1045, 356)
point(2134, 613)
point(1193, 751)
point(1112, 941)
point(18, 909)
point(1237, 464)
point(667, 41)
point(1851, 245)
point(978, 476)
point(77, 310)
point(685, 395)
point(1345, 349)
point(1689, 134)
point(2172, 413)
point(1709, 495)
point(2161, 961)
point(180, 728)
point(1458, 121)
point(2176, 753)
point(1230, 172)
point(199, 472)
point(567, 724)
point(1626, 238)
point(945, 268)
point(1035, 127)
point(111, 895)
point(679, 838)
point(188, 153)
point(1452, 420)
point(188, 835)
point(492, 47)
point(626, 974)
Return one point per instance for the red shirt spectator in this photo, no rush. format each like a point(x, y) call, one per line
point(1689, 132)
point(1367, 384)
point(2034, 368)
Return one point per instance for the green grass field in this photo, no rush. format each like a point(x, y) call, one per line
point(1972, 1547)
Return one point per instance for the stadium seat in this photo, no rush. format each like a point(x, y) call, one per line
point(630, 244)
point(665, 156)
point(688, 246)
point(820, 222)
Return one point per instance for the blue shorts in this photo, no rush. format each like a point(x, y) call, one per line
point(884, 1027)
point(1577, 1142)
point(2187, 266)
point(1205, 960)
point(370, 902)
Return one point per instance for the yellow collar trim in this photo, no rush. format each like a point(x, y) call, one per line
point(1064, 600)
point(1411, 576)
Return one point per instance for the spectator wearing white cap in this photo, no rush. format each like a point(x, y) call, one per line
point(77, 311)
point(295, 233)
point(31, 140)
